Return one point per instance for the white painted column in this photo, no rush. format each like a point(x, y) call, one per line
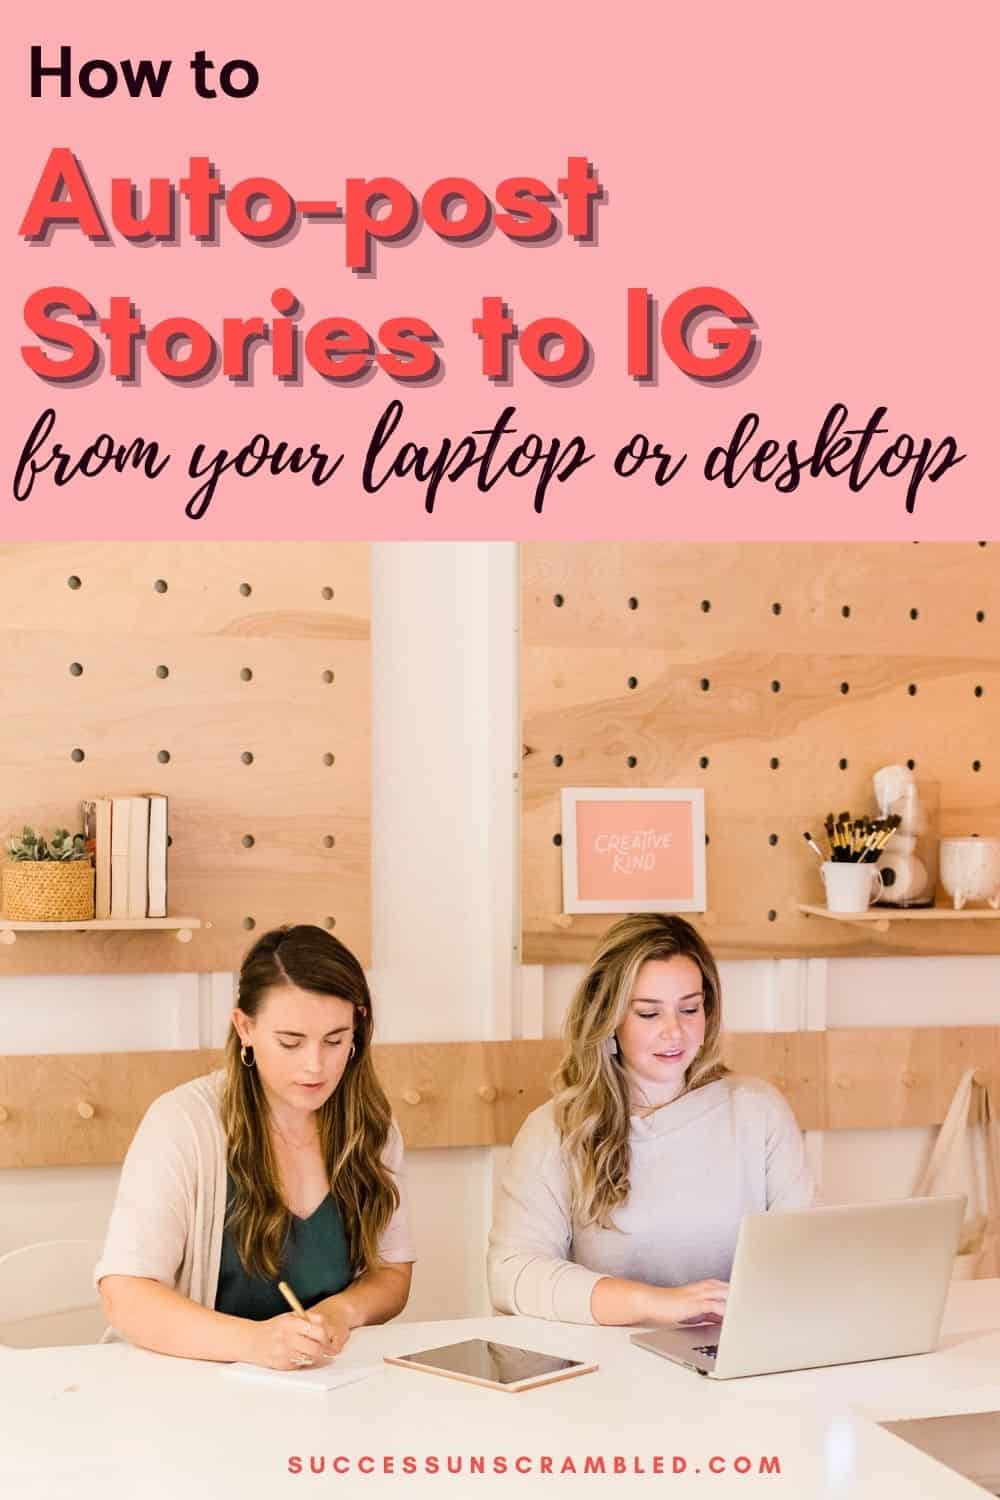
point(443, 855)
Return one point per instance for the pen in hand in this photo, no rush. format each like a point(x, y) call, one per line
point(291, 1298)
point(296, 1306)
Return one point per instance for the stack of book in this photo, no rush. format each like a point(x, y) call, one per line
point(128, 838)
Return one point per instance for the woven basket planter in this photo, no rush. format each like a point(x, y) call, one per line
point(48, 891)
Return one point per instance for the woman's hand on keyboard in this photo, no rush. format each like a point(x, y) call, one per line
point(698, 1302)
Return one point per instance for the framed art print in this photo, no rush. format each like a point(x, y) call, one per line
point(634, 849)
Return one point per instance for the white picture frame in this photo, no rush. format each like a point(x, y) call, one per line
point(572, 797)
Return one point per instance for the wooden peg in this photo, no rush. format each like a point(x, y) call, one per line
point(184, 934)
point(487, 1093)
point(845, 1081)
point(4, 1116)
point(781, 1082)
point(85, 1109)
point(7, 936)
point(908, 1080)
point(412, 1096)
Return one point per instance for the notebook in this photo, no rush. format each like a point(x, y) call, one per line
point(315, 1378)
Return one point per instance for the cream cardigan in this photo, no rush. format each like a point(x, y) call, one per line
point(168, 1216)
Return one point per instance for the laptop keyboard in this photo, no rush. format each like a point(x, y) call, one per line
point(710, 1349)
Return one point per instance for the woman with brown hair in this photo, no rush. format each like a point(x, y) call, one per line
point(623, 1196)
point(285, 1166)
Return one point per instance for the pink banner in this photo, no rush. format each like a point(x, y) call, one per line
point(443, 271)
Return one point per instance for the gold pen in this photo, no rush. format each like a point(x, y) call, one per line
point(299, 1310)
point(291, 1299)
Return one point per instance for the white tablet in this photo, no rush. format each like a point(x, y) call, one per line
point(499, 1366)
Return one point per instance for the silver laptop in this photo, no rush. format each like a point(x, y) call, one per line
point(826, 1286)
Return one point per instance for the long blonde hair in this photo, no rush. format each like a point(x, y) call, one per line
point(353, 1123)
point(591, 1088)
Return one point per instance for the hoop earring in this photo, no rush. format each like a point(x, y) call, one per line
point(246, 1056)
point(351, 1053)
point(611, 1046)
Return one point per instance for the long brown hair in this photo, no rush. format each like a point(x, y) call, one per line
point(353, 1123)
point(592, 1104)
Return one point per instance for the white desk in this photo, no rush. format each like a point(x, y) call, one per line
point(109, 1422)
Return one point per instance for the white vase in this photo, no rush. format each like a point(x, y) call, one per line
point(970, 870)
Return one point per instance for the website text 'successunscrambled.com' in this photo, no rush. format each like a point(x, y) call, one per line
point(408, 1465)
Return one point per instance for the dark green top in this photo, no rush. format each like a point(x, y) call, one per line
point(316, 1264)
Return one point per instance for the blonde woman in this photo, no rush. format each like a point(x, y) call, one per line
point(623, 1196)
point(286, 1165)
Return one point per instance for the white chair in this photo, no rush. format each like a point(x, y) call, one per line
point(47, 1295)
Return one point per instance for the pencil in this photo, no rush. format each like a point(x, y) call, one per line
point(291, 1298)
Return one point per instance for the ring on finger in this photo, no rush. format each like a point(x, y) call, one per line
point(302, 1359)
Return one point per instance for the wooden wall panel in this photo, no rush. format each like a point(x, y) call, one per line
point(905, 1075)
point(793, 1061)
point(204, 714)
point(450, 1094)
point(775, 615)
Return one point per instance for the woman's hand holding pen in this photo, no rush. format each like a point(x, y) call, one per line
point(335, 1324)
point(290, 1342)
point(298, 1339)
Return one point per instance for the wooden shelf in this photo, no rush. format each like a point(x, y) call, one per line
point(879, 917)
point(183, 927)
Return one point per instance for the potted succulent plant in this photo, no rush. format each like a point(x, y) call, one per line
point(48, 880)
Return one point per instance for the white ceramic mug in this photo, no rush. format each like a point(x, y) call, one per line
point(850, 886)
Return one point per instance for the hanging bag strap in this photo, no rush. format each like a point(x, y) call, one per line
point(988, 1261)
point(949, 1148)
point(990, 1092)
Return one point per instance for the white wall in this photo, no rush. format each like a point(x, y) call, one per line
point(94, 1013)
point(445, 738)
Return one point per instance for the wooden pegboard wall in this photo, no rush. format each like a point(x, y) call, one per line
point(83, 1110)
point(778, 677)
point(232, 677)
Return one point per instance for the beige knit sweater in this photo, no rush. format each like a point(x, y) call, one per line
point(697, 1166)
point(168, 1216)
